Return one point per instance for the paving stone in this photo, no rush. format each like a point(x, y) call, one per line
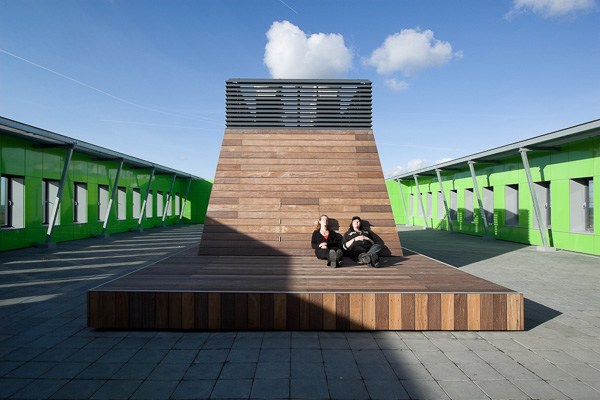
point(117, 389)
point(39, 389)
point(232, 389)
point(276, 342)
point(306, 343)
point(309, 389)
point(155, 390)
point(31, 370)
point(275, 355)
point(401, 357)
point(8, 366)
point(149, 356)
point(180, 356)
point(501, 389)
point(347, 389)
point(270, 389)
point(538, 389)
point(376, 371)
point(307, 355)
point(558, 357)
point(430, 357)
point(362, 343)
point(65, 370)
point(335, 371)
point(334, 343)
point(446, 372)
point(480, 371)
point(369, 356)
point(391, 343)
point(272, 370)
point(245, 355)
point(411, 372)
point(54, 355)
point(197, 389)
point(212, 356)
point(462, 390)
point(549, 372)
point(79, 389)
point(420, 344)
point(583, 372)
point(204, 371)
point(218, 343)
point(576, 390)
point(424, 389)
point(307, 370)
point(385, 389)
point(134, 371)
point(9, 386)
point(337, 356)
point(169, 372)
point(242, 343)
point(99, 371)
point(238, 371)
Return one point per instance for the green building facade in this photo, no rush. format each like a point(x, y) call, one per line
point(562, 167)
point(32, 164)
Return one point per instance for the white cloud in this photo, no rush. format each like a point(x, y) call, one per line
point(291, 53)
point(412, 165)
point(395, 85)
point(550, 8)
point(410, 51)
point(443, 160)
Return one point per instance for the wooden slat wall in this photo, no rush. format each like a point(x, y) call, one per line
point(305, 311)
point(270, 186)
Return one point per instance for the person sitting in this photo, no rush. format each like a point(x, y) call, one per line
point(326, 244)
point(360, 244)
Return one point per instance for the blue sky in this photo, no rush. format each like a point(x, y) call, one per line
point(450, 78)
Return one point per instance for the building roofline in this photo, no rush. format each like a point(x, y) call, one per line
point(42, 136)
point(547, 142)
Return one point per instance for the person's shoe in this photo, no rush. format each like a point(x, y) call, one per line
point(332, 258)
point(340, 256)
point(374, 260)
point(364, 258)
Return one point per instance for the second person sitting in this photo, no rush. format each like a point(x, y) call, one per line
point(326, 244)
point(360, 244)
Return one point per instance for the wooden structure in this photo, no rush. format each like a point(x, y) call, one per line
point(299, 293)
point(295, 150)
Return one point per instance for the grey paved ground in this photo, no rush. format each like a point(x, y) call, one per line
point(47, 352)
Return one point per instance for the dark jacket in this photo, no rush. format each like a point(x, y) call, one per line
point(332, 240)
point(351, 233)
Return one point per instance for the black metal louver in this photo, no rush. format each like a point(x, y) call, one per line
point(299, 103)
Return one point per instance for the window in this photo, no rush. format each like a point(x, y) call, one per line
point(429, 205)
point(149, 205)
point(542, 192)
point(453, 205)
point(411, 205)
point(169, 205)
point(80, 203)
point(49, 201)
point(159, 204)
point(511, 205)
point(121, 203)
point(488, 204)
point(177, 204)
point(102, 202)
point(582, 205)
point(440, 206)
point(469, 205)
point(137, 202)
point(12, 202)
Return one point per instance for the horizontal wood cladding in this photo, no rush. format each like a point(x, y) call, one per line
point(304, 311)
point(277, 182)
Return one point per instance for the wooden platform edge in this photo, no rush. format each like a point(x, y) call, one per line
point(305, 311)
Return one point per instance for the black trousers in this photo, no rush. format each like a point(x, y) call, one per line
point(363, 247)
point(323, 254)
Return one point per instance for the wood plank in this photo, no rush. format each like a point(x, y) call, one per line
point(241, 311)
point(342, 306)
point(293, 311)
point(513, 311)
point(135, 310)
point(382, 311)
point(395, 311)
point(421, 313)
point(461, 312)
point(434, 311)
point(187, 310)
point(280, 308)
point(486, 316)
point(316, 311)
point(267, 307)
point(148, 310)
point(201, 310)
point(122, 310)
point(408, 311)
point(214, 311)
point(368, 311)
point(228, 311)
point(175, 310)
point(253, 311)
point(161, 319)
point(329, 311)
point(108, 307)
point(474, 311)
point(94, 309)
point(356, 311)
point(500, 323)
point(304, 311)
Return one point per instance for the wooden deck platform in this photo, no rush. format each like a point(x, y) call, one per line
point(412, 292)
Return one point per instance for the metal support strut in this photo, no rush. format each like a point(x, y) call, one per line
point(404, 203)
point(187, 191)
point(420, 202)
point(112, 198)
point(143, 210)
point(439, 176)
point(481, 210)
point(61, 187)
point(169, 195)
